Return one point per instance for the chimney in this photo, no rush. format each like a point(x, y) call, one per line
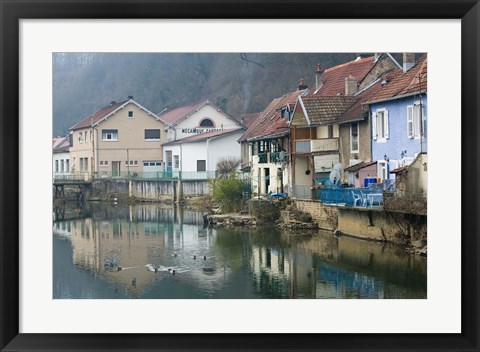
point(130, 97)
point(113, 102)
point(302, 85)
point(351, 85)
point(318, 77)
point(408, 61)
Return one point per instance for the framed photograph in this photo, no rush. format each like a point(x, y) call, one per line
point(139, 261)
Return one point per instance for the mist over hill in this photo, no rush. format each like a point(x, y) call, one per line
point(237, 83)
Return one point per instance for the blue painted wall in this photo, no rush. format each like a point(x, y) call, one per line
point(398, 140)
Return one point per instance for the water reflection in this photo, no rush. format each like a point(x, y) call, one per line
point(153, 251)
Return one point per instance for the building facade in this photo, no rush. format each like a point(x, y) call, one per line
point(118, 140)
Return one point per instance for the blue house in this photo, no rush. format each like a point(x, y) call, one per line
point(398, 116)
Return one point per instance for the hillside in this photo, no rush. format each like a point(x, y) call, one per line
point(237, 83)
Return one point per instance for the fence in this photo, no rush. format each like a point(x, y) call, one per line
point(158, 175)
point(353, 197)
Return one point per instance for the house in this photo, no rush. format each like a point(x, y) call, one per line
point(196, 156)
point(197, 125)
point(120, 139)
point(329, 125)
point(267, 144)
point(61, 156)
point(411, 185)
point(399, 117)
point(200, 117)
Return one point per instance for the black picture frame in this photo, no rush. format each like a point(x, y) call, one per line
point(12, 11)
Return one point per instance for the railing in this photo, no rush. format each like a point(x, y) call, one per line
point(262, 158)
point(353, 197)
point(72, 177)
point(302, 146)
point(158, 175)
point(324, 145)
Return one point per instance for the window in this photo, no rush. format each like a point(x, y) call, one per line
point(130, 114)
point(354, 137)
point(109, 135)
point(56, 165)
point(176, 161)
point(80, 137)
point(104, 163)
point(414, 121)
point(152, 135)
point(201, 165)
point(132, 163)
point(67, 167)
point(91, 136)
point(62, 165)
point(380, 125)
point(206, 123)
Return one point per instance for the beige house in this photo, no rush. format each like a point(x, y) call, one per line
point(118, 140)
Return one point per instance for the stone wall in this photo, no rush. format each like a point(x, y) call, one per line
point(382, 226)
point(370, 224)
point(324, 215)
point(149, 189)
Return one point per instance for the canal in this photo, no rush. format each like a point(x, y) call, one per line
point(158, 251)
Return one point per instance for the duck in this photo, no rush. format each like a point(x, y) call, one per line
point(204, 257)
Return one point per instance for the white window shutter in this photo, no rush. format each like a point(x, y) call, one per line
point(374, 126)
point(410, 121)
point(385, 124)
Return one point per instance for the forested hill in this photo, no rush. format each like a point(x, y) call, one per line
point(237, 83)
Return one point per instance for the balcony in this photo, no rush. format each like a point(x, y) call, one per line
point(272, 157)
point(324, 145)
point(316, 145)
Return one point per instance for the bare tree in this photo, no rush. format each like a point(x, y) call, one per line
point(226, 166)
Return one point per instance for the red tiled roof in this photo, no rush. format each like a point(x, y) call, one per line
point(411, 82)
point(248, 119)
point(174, 115)
point(202, 136)
point(60, 144)
point(334, 78)
point(326, 110)
point(270, 123)
point(97, 116)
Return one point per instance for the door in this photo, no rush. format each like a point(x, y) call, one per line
point(168, 154)
point(116, 168)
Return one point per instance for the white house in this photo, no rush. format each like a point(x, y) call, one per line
point(197, 156)
point(190, 120)
point(61, 156)
point(198, 135)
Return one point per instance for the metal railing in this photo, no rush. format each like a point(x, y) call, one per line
point(353, 197)
point(158, 175)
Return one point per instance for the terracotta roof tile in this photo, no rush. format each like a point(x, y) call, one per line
point(334, 78)
point(97, 116)
point(174, 115)
point(411, 82)
point(248, 119)
point(270, 123)
point(60, 144)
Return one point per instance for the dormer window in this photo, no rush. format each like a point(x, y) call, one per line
point(207, 123)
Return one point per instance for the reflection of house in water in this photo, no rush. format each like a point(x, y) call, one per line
point(323, 266)
point(118, 243)
point(282, 271)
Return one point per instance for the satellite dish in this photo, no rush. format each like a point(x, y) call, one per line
point(335, 176)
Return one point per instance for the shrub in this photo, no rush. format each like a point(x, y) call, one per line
point(227, 192)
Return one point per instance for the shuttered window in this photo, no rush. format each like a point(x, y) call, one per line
point(152, 135)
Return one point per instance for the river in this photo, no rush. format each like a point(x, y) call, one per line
point(150, 251)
